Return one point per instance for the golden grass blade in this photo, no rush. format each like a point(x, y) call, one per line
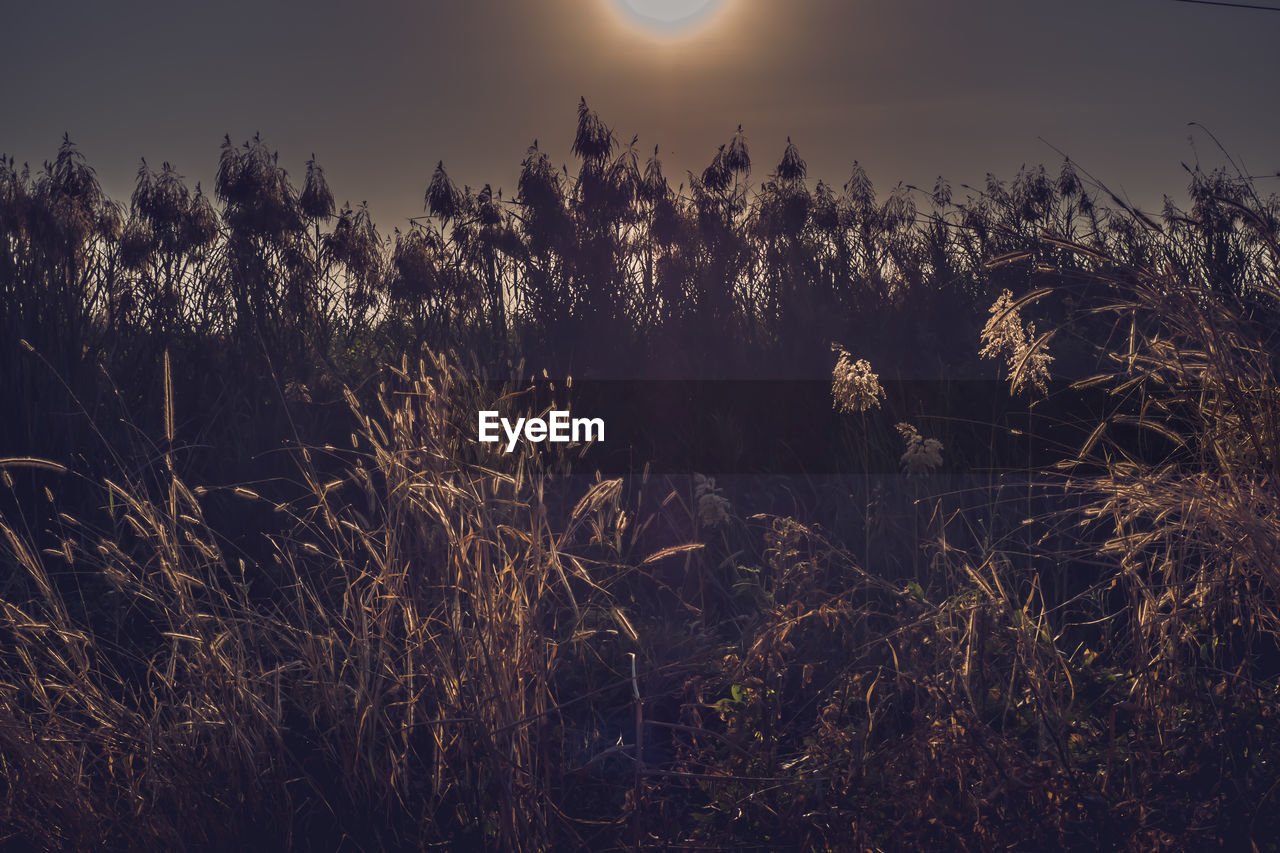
point(32, 462)
point(168, 399)
point(671, 552)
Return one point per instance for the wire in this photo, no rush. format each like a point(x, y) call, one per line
point(1232, 5)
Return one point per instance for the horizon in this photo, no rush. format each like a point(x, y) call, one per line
point(984, 89)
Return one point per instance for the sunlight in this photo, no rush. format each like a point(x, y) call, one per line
point(668, 16)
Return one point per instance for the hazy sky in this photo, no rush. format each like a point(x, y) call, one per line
point(380, 91)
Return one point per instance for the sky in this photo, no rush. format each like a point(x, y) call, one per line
point(381, 90)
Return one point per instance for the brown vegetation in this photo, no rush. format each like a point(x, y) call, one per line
point(375, 636)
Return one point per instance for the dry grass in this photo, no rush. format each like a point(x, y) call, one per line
point(485, 650)
point(399, 684)
point(407, 641)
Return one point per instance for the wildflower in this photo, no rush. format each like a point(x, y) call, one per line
point(1004, 335)
point(713, 507)
point(923, 455)
point(854, 388)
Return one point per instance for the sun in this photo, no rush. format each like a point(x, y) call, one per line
point(670, 16)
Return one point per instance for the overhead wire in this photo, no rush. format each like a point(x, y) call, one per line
point(1231, 5)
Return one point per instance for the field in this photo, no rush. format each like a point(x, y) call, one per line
point(262, 588)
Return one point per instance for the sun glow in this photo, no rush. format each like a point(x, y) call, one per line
point(668, 16)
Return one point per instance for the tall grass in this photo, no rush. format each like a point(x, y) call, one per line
point(394, 676)
point(300, 608)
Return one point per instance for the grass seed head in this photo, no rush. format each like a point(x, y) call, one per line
point(1004, 336)
point(854, 388)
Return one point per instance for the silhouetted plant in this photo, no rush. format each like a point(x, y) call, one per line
point(409, 642)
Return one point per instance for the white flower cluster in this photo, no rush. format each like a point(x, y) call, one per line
point(1004, 335)
point(713, 507)
point(854, 388)
point(923, 454)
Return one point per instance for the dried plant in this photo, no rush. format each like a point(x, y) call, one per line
point(923, 455)
point(712, 506)
point(854, 388)
point(1026, 354)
